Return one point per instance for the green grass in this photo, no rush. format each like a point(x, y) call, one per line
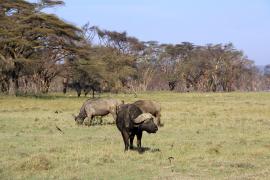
point(207, 136)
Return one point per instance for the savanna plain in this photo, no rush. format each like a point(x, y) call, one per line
point(205, 136)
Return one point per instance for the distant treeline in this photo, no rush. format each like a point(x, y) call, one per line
point(39, 53)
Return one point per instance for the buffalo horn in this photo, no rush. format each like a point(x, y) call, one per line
point(142, 118)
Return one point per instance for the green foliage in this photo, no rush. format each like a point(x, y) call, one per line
point(34, 43)
point(36, 48)
point(104, 65)
point(204, 68)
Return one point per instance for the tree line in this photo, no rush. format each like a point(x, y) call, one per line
point(39, 53)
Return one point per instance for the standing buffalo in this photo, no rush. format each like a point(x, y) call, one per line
point(152, 107)
point(98, 107)
point(132, 121)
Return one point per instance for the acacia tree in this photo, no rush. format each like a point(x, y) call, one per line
point(172, 60)
point(267, 77)
point(146, 64)
point(13, 48)
point(35, 44)
point(107, 64)
point(57, 42)
point(215, 68)
point(204, 68)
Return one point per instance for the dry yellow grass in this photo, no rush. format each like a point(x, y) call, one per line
point(205, 136)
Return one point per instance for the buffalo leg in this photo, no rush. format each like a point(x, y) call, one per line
point(91, 120)
point(93, 93)
point(131, 140)
point(139, 138)
point(90, 116)
point(79, 91)
point(125, 138)
point(158, 119)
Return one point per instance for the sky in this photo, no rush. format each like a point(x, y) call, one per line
point(245, 23)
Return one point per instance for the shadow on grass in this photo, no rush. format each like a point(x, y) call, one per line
point(49, 96)
point(60, 96)
point(103, 124)
point(98, 121)
point(145, 149)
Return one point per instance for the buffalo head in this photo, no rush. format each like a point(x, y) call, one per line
point(79, 120)
point(146, 123)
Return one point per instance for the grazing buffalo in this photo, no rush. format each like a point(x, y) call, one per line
point(132, 121)
point(152, 107)
point(98, 107)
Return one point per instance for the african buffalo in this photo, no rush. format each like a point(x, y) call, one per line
point(152, 107)
point(98, 107)
point(132, 121)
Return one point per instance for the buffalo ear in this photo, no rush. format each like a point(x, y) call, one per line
point(113, 109)
point(117, 108)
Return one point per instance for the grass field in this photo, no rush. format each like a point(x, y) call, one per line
point(205, 136)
